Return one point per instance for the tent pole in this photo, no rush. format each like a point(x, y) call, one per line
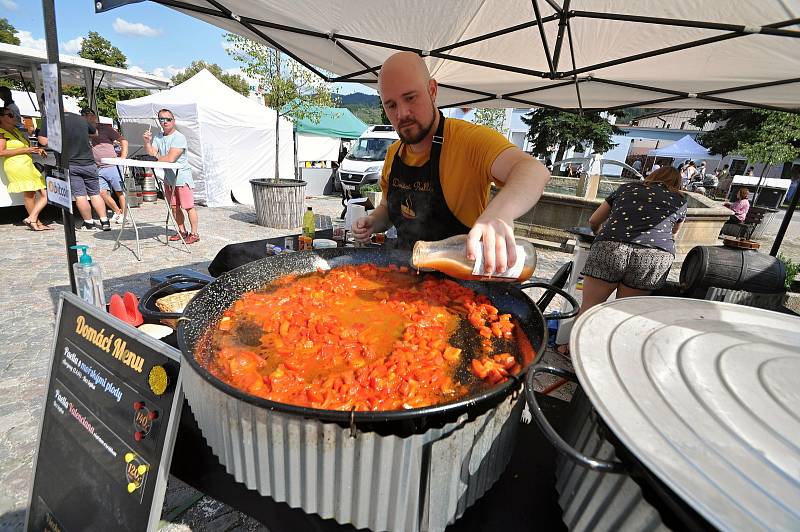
point(543, 36)
point(51, 40)
point(787, 218)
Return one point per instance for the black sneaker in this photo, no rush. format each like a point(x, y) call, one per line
point(86, 226)
point(105, 225)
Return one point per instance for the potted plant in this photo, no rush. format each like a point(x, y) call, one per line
point(372, 192)
point(294, 92)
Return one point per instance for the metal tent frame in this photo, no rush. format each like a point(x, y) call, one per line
point(563, 16)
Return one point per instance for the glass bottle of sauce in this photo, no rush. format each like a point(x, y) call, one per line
point(449, 256)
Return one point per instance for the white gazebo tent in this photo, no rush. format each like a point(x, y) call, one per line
point(684, 148)
point(563, 54)
point(231, 138)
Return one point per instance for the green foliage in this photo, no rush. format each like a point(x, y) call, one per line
point(776, 140)
point(234, 81)
point(288, 87)
point(367, 107)
point(8, 32)
point(549, 128)
point(792, 269)
point(493, 118)
point(367, 114)
point(372, 187)
point(100, 50)
point(735, 126)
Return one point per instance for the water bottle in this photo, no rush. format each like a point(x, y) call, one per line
point(309, 226)
point(89, 279)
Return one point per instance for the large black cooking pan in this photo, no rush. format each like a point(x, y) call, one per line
point(207, 307)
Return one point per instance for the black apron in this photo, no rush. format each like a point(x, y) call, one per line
point(417, 207)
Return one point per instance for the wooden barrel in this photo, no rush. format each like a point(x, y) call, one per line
point(279, 203)
point(735, 269)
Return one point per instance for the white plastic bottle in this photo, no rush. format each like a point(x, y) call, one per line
point(89, 279)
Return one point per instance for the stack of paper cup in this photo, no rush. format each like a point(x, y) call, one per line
point(354, 211)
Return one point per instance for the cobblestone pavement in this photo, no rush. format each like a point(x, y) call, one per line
point(33, 270)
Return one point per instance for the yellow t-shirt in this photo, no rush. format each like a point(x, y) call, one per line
point(465, 166)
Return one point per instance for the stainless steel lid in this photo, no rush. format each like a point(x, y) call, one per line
point(707, 396)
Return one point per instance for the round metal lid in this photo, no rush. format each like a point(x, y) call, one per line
point(707, 396)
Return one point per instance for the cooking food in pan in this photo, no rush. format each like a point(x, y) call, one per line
point(363, 338)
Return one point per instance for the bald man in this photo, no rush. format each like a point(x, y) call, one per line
point(437, 177)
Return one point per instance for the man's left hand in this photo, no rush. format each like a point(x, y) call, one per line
point(496, 237)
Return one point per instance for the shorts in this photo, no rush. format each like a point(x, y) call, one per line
point(109, 178)
point(181, 196)
point(83, 180)
point(639, 267)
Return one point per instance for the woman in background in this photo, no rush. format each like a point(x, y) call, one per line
point(22, 174)
point(635, 243)
point(740, 206)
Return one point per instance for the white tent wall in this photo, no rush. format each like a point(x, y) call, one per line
point(231, 138)
point(317, 148)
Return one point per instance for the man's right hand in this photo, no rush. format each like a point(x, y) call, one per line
point(147, 136)
point(363, 228)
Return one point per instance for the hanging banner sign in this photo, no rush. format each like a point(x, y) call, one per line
point(52, 108)
point(58, 190)
point(108, 425)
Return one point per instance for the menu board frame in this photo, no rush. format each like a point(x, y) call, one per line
point(102, 408)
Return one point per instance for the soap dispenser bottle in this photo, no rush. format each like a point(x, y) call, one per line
point(89, 279)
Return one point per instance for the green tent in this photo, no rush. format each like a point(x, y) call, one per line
point(336, 122)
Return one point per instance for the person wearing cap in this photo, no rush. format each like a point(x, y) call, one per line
point(171, 147)
point(109, 175)
point(83, 178)
point(437, 177)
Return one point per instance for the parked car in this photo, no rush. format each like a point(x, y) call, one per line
point(363, 163)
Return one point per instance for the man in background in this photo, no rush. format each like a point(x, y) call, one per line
point(171, 147)
point(109, 175)
point(82, 169)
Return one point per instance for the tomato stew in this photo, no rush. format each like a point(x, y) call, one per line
point(364, 338)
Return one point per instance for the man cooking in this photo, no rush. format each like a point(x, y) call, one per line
point(438, 175)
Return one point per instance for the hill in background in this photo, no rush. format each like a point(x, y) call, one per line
point(366, 107)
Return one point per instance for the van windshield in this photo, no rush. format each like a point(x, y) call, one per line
point(369, 149)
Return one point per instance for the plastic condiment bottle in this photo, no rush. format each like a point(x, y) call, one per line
point(449, 256)
point(89, 279)
point(309, 226)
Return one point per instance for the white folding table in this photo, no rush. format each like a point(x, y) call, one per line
point(136, 163)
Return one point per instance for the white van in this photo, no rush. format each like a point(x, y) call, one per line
point(364, 161)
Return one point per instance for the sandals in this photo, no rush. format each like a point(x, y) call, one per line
point(36, 226)
point(176, 237)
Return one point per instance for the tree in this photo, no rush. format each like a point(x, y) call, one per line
point(234, 81)
point(288, 87)
point(566, 130)
point(776, 140)
point(493, 118)
point(100, 50)
point(735, 126)
point(8, 32)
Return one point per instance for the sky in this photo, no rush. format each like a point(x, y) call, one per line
point(154, 38)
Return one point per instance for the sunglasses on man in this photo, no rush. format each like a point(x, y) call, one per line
point(10, 115)
point(165, 119)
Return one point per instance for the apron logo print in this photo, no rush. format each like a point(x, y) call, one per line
point(407, 209)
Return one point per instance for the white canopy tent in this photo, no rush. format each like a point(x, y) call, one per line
point(600, 54)
point(684, 148)
point(563, 54)
point(231, 138)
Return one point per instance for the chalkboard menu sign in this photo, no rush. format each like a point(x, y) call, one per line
point(108, 426)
